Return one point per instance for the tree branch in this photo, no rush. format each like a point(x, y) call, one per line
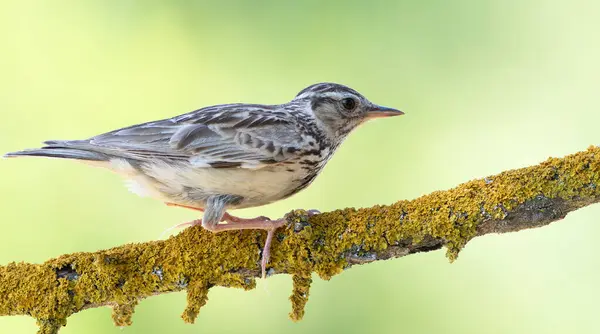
point(196, 260)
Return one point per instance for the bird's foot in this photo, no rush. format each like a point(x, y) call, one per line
point(229, 219)
point(266, 253)
point(168, 230)
point(263, 223)
point(312, 212)
point(192, 223)
point(258, 223)
point(237, 223)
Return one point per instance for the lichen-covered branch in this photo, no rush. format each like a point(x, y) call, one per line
point(196, 260)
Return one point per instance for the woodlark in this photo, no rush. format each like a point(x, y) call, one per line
point(228, 156)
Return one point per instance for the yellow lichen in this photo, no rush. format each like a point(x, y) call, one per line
point(299, 296)
point(324, 244)
point(49, 326)
point(123, 312)
point(197, 296)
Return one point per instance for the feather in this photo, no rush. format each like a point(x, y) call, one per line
point(227, 136)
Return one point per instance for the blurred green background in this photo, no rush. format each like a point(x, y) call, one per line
point(486, 86)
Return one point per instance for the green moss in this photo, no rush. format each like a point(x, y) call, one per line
point(196, 259)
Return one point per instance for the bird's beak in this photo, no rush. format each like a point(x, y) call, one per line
point(378, 111)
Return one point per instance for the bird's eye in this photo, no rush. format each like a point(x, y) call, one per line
point(348, 103)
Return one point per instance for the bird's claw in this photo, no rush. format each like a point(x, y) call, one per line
point(266, 253)
point(312, 212)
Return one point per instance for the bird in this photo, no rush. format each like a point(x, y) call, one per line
point(230, 156)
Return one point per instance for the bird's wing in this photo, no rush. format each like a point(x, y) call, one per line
point(236, 135)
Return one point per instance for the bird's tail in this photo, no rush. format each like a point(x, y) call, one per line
point(64, 149)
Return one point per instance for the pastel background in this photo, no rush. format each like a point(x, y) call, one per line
point(486, 86)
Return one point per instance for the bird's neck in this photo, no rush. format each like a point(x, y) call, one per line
point(324, 133)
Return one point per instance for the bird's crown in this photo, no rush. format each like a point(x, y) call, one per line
point(324, 88)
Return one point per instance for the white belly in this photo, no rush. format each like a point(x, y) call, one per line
point(187, 185)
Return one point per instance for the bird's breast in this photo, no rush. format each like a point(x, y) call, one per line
point(185, 184)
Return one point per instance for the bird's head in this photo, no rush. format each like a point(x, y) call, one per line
point(340, 108)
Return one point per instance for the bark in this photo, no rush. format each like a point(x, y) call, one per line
point(196, 260)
